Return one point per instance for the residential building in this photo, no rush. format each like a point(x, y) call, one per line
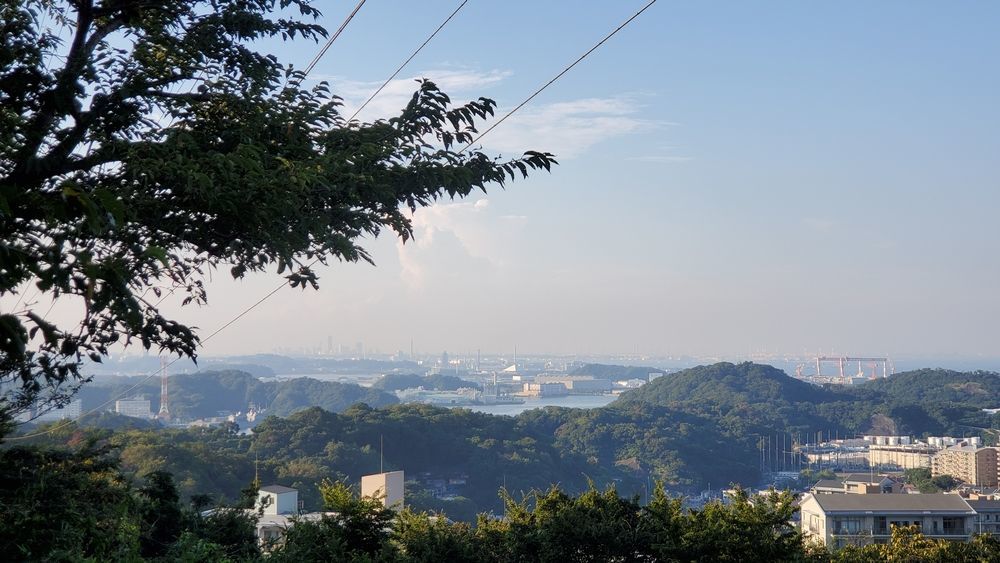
point(276, 499)
point(971, 464)
point(137, 407)
point(72, 410)
point(840, 520)
point(279, 509)
point(987, 516)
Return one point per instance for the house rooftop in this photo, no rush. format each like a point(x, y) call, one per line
point(829, 484)
point(984, 504)
point(277, 489)
point(864, 478)
point(893, 503)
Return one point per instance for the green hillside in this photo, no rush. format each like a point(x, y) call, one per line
point(206, 394)
point(615, 373)
point(728, 385)
point(976, 388)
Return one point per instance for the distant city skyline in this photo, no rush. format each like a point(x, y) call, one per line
point(782, 176)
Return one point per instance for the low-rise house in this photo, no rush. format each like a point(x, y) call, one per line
point(855, 519)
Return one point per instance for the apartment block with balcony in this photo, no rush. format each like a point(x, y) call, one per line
point(971, 464)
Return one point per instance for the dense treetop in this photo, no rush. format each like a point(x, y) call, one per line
point(974, 388)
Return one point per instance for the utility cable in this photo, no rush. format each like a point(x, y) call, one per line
point(333, 38)
point(285, 283)
point(407, 61)
point(558, 76)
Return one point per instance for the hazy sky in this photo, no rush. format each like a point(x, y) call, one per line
point(789, 176)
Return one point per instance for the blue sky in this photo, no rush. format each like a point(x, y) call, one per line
point(735, 177)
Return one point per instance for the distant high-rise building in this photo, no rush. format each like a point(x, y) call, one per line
point(137, 407)
point(72, 411)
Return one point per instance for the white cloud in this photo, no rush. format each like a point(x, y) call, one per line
point(450, 236)
point(567, 129)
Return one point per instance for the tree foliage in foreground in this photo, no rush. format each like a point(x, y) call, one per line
point(77, 505)
point(145, 144)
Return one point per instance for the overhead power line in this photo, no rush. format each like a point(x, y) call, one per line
point(407, 61)
point(558, 76)
point(314, 262)
point(333, 38)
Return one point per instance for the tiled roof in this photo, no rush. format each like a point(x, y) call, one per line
point(892, 503)
point(828, 484)
point(277, 489)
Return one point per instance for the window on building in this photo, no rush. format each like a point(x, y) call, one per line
point(953, 525)
point(881, 526)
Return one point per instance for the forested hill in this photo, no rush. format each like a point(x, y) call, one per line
point(753, 396)
point(729, 384)
point(616, 373)
point(975, 388)
point(206, 394)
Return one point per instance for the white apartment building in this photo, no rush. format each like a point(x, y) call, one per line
point(137, 407)
point(840, 520)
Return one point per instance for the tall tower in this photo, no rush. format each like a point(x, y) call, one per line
point(164, 413)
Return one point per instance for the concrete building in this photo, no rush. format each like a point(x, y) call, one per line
point(839, 455)
point(987, 516)
point(840, 520)
point(900, 457)
point(973, 465)
point(578, 384)
point(73, 410)
point(889, 440)
point(941, 442)
point(279, 510)
point(137, 407)
point(275, 499)
point(387, 487)
point(858, 484)
point(543, 390)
